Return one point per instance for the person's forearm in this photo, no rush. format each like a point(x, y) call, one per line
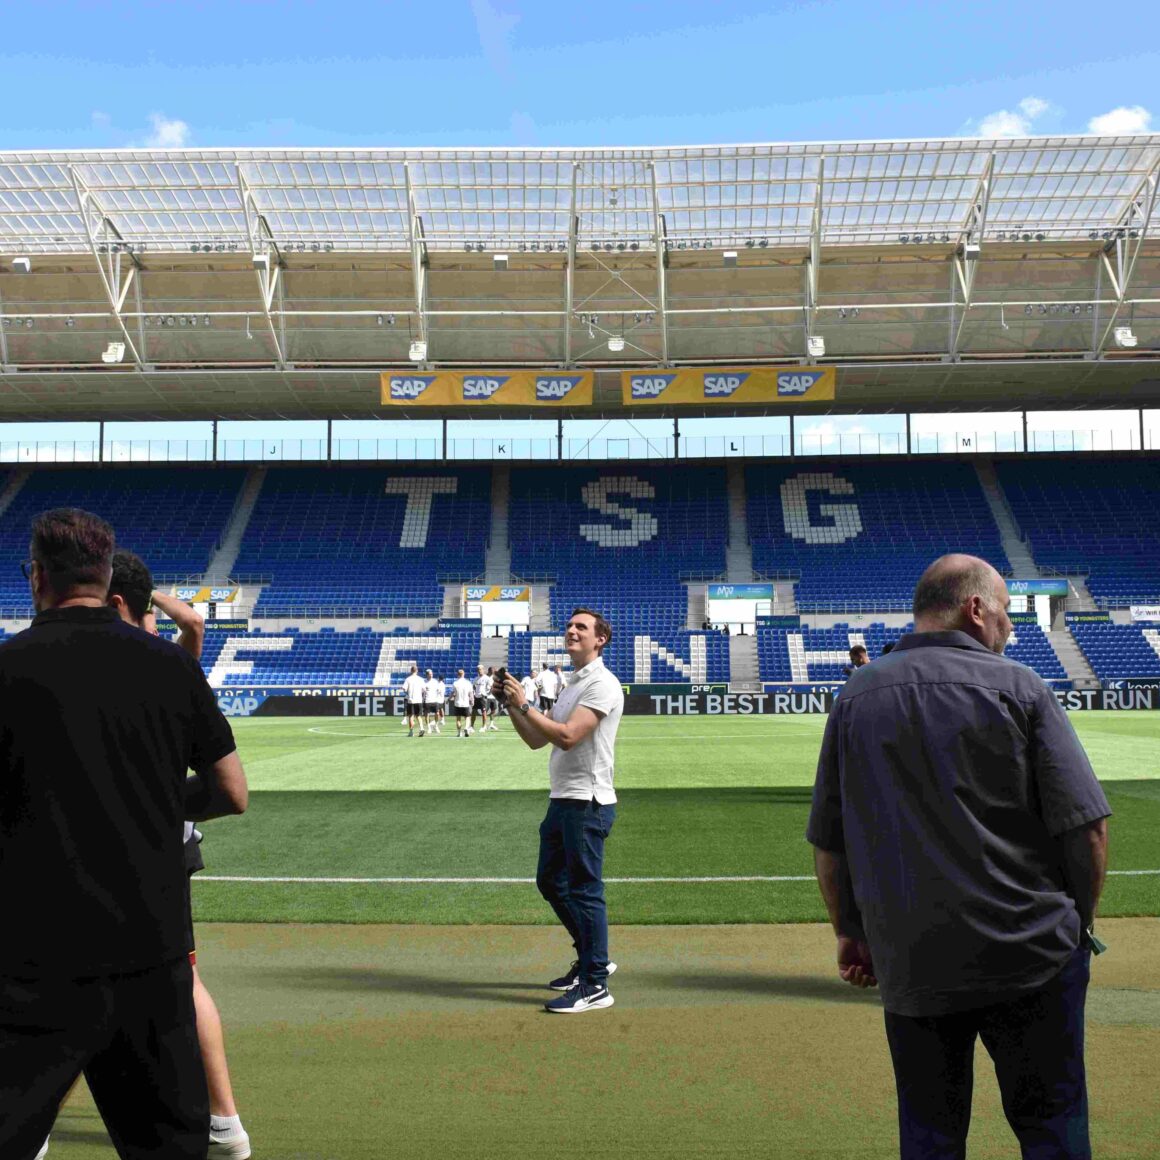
point(1085, 865)
point(190, 626)
point(523, 726)
point(205, 800)
point(837, 893)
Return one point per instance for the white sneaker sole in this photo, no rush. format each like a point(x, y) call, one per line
point(604, 1001)
point(235, 1148)
point(572, 982)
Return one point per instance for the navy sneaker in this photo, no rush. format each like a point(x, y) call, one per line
point(568, 981)
point(582, 997)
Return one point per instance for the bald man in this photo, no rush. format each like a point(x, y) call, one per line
point(961, 845)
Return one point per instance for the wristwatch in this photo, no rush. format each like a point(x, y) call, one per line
point(525, 707)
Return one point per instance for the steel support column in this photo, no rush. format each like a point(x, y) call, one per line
point(117, 276)
point(813, 261)
point(570, 269)
point(966, 261)
point(662, 255)
point(418, 250)
point(267, 263)
point(1136, 217)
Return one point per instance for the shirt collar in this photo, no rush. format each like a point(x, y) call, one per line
point(77, 614)
point(587, 670)
point(951, 638)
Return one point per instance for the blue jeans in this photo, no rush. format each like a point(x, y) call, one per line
point(1036, 1043)
point(570, 877)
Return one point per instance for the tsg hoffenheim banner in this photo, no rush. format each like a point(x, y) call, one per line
point(729, 385)
point(412, 388)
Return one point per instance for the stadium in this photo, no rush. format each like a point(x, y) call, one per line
point(373, 408)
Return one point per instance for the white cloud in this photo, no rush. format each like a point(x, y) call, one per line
point(1008, 123)
point(495, 30)
point(1121, 121)
point(167, 134)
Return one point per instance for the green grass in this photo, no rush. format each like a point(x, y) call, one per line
point(699, 797)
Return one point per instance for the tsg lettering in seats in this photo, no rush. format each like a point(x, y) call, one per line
point(795, 509)
point(636, 528)
point(420, 491)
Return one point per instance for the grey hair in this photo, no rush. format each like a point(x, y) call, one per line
point(944, 588)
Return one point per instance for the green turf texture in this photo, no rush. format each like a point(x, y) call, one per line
point(699, 797)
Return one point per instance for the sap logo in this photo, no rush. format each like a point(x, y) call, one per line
point(722, 386)
point(186, 594)
point(548, 390)
point(649, 386)
point(797, 383)
point(238, 706)
point(222, 594)
point(480, 387)
point(410, 386)
point(510, 593)
point(475, 593)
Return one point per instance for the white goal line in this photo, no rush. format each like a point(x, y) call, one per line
point(532, 881)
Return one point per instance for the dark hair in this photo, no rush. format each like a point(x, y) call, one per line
point(858, 648)
point(74, 547)
point(600, 626)
point(132, 582)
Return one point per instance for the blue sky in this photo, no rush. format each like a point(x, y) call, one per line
point(514, 72)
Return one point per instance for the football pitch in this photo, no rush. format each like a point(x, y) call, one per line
point(353, 821)
point(420, 1033)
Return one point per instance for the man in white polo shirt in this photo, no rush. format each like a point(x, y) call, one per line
point(581, 807)
point(413, 688)
point(462, 697)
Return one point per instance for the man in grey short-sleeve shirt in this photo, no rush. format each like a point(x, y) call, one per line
point(581, 728)
point(961, 847)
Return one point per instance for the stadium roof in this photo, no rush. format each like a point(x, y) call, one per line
point(264, 265)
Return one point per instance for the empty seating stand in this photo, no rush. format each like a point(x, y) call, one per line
point(1119, 650)
point(1092, 516)
point(365, 541)
point(860, 536)
point(172, 517)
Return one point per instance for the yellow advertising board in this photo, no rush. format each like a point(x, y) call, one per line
point(411, 388)
point(482, 592)
point(730, 385)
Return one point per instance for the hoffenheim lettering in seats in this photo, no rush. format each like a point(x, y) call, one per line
point(481, 387)
point(797, 383)
point(549, 390)
point(722, 386)
point(649, 386)
point(410, 386)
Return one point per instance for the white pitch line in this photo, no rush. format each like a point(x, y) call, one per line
point(531, 881)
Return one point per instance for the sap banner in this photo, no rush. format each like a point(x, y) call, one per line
point(729, 385)
point(486, 388)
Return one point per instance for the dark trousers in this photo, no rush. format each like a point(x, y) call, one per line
point(570, 877)
point(1036, 1043)
point(135, 1039)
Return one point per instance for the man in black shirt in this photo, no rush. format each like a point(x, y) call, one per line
point(961, 847)
point(101, 723)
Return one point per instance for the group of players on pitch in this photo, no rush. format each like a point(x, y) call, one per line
point(472, 700)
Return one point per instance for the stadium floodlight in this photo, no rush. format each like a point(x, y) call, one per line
point(418, 352)
point(262, 262)
point(113, 353)
point(616, 344)
point(1124, 337)
point(730, 257)
point(971, 251)
point(21, 265)
point(499, 261)
point(816, 346)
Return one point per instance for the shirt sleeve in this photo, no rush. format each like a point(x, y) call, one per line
point(1069, 794)
point(602, 697)
point(824, 829)
point(212, 737)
